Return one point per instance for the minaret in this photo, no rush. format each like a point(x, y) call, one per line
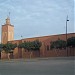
point(8, 21)
point(7, 32)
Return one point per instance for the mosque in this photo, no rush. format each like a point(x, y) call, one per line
point(45, 51)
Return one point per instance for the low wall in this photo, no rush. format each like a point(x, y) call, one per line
point(57, 52)
point(15, 53)
point(32, 54)
point(4, 55)
point(51, 53)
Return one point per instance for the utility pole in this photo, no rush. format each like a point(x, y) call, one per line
point(66, 34)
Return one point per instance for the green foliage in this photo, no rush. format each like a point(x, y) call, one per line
point(1, 47)
point(21, 45)
point(34, 45)
point(9, 47)
point(58, 44)
point(71, 42)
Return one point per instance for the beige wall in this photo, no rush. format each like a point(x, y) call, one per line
point(7, 33)
point(10, 33)
point(4, 36)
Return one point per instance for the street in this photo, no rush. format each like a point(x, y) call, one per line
point(38, 66)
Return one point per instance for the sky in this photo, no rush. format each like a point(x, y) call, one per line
point(34, 18)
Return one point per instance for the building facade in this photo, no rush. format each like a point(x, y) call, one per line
point(45, 51)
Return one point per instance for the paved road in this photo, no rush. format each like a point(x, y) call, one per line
point(39, 66)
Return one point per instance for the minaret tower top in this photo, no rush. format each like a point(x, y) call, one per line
point(8, 21)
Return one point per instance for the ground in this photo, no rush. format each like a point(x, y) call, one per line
point(38, 66)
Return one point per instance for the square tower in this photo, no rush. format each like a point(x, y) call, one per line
point(7, 32)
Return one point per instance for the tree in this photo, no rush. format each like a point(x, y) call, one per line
point(31, 46)
point(58, 44)
point(71, 42)
point(21, 45)
point(25, 45)
point(9, 47)
point(52, 45)
point(34, 45)
point(1, 47)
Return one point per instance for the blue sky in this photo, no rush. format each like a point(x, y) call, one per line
point(33, 18)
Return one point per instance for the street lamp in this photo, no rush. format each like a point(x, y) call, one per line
point(21, 37)
point(66, 34)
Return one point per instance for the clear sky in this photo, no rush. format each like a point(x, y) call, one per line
point(33, 18)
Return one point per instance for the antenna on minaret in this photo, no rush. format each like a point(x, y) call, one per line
point(9, 15)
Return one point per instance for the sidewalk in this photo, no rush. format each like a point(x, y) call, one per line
point(38, 59)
